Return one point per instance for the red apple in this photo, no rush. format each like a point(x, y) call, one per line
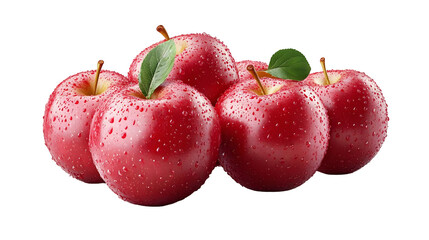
point(155, 151)
point(358, 118)
point(202, 61)
point(273, 141)
point(68, 116)
point(243, 74)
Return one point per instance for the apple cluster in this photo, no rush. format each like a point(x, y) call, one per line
point(186, 106)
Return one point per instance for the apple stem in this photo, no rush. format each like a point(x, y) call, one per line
point(255, 75)
point(97, 75)
point(161, 29)
point(322, 62)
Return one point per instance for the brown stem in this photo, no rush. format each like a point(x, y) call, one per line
point(322, 62)
point(97, 75)
point(252, 71)
point(161, 29)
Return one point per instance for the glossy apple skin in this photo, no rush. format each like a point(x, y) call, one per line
point(205, 64)
point(67, 119)
point(274, 142)
point(158, 151)
point(243, 74)
point(358, 119)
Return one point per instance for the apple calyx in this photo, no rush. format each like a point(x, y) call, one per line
point(161, 29)
point(97, 75)
point(255, 75)
point(322, 62)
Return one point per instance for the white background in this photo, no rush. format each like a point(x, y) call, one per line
point(44, 42)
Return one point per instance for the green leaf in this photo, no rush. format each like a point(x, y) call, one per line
point(156, 66)
point(289, 64)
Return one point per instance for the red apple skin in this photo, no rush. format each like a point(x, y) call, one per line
point(273, 142)
point(67, 119)
point(205, 64)
point(158, 151)
point(244, 74)
point(358, 119)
